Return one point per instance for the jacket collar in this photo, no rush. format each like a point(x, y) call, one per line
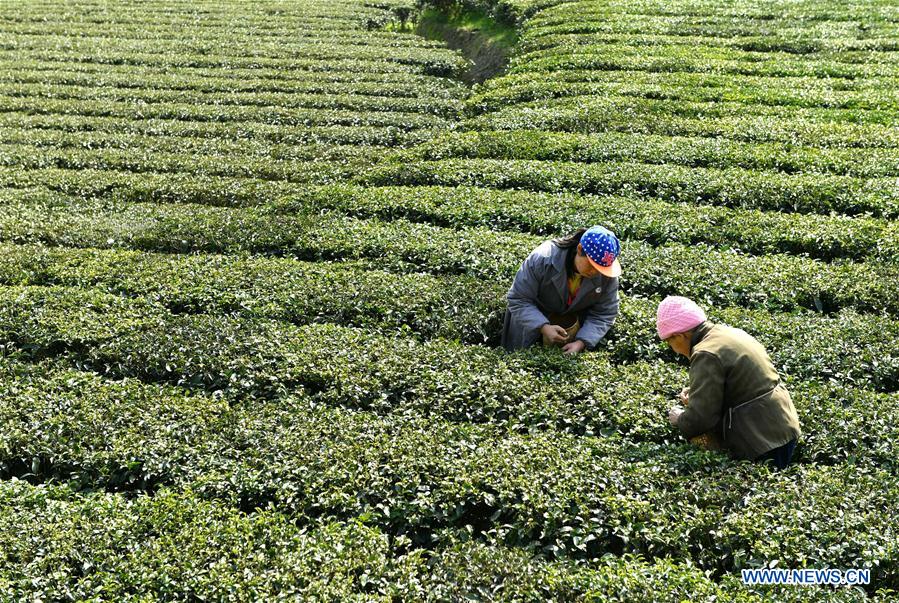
point(700, 332)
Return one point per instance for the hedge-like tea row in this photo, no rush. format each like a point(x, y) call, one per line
point(776, 282)
point(178, 545)
point(480, 572)
point(33, 144)
point(317, 18)
point(452, 307)
point(254, 357)
point(211, 36)
point(650, 220)
point(424, 59)
point(686, 89)
point(698, 104)
point(403, 87)
point(368, 79)
point(591, 53)
point(318, 42)
point(73, 426)
point(798, 519)
point(26, 157)
point(305, 32)
point(398, 245)
point(843, 423)
point(60, 545)
point(398, 84)
point(644, 116)
point(401, 49)
point(837, 52)
point(224, 113)
point(758, 15)
point(550, 45)
point(216, 16)
point(720, 276)
point(843, 49)
point(439, 64)
point(654, 149)
point(167, 226)
point(780, 33)
point(226, 133)
point(731, 187)
point(361, 103)
point(784, 45)
point(118, 186)
point(697, 58)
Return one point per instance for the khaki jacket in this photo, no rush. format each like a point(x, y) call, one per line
point(735, 390)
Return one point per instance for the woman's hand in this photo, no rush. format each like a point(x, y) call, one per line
point(575, 347)
point(684, 396)
point(554, 333)
point(674, 414)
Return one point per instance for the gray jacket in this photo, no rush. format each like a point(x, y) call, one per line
point(541, 288)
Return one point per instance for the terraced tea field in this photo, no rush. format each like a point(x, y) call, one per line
point(253, 266)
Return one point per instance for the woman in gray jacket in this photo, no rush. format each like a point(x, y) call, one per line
point(565, 293)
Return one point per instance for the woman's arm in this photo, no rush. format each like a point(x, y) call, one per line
point(706, 395)
point(522, 296)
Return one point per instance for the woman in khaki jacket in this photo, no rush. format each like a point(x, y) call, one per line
point(734, 388)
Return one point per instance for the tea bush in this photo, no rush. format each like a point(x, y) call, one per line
point(731, 187)
point(174, 544)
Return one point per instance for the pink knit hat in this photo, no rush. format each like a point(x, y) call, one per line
point(677, 314)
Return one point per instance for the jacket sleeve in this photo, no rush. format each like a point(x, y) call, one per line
point(601, 315)
point(522, 296)
point(706, 395)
